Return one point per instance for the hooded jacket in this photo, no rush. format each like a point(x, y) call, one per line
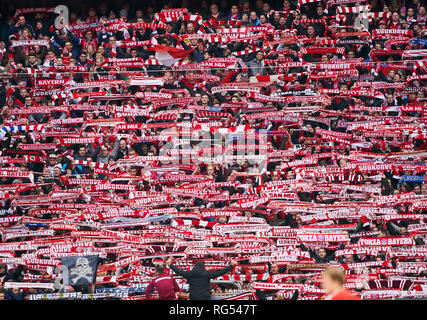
point(199, 279)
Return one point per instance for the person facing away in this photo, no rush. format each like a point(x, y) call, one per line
point(333, 283)
point(166, 285)
point(199, 278)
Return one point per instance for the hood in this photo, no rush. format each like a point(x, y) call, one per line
point(199, 267)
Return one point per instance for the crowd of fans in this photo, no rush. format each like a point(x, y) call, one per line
point(289, 137)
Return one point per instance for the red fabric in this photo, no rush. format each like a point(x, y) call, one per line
point(345, 295)
point(174, 52)
point(394, 25)
point(165, 285)
point(228, 77)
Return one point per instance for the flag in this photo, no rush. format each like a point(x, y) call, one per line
point(167, 56)
point(79, 270)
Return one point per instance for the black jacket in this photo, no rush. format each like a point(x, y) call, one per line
point(199, 279)
point(14, 274)
point(9, 295)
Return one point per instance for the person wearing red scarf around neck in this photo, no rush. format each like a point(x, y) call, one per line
point(333, 283)
point(215, 14)
point(92, 17)
point(421, 14)
point(3, 51)
point(395, 21)
point(286, 8)
point(234, 13)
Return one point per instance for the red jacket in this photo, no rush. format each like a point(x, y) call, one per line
point(343, 295)
point(165, 285)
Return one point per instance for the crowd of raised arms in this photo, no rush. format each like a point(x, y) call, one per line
point(285, 137)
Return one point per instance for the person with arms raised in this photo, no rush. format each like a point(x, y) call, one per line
point(199, 278)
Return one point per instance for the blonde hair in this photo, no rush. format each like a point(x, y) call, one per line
point(27, 31)
point(335, 274)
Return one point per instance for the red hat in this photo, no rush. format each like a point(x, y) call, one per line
point(10, 55)
point(383, 21)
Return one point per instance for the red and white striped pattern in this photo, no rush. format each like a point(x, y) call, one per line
point(245, 277)
point(355, 9)
point(303, 2)
point(195, 223)
point(243, 52)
